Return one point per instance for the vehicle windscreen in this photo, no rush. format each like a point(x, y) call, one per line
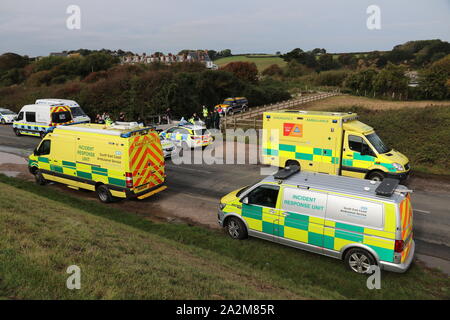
point(61, 117)
point(238, 194)
point(377, 143)
point(5, 112)
point(201, 132)
point(228, 103)
point(77, 112)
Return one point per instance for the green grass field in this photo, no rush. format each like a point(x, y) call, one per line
point(124, 256)
point(261, 61)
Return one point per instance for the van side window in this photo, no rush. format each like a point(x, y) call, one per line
point(20, 116)
point(358, 144)
point(265, 195)
point(30, 116)
point(44, 148)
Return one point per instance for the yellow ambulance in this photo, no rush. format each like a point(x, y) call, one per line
point(122, 160)
point(329, 142)
point(361, 222)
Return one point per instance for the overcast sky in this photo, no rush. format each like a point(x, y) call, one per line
point(244, 26)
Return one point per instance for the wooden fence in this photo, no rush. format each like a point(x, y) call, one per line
point(249, 119)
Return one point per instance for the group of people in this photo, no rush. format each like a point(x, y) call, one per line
point(210, 118)
point(103, 118)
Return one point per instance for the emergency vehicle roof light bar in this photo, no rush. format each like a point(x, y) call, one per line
point(387, 187)
point(286, 172)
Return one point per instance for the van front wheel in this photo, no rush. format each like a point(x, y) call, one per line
point(40, 180)
point(236, 228)
point(359, 260)
point(104, 195)
point(375, 176)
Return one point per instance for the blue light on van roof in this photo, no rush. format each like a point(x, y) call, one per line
point(268, 117)
point(334, 121)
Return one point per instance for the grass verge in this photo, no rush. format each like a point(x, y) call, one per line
point(123, 256)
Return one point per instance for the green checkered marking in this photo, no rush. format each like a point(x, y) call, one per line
point(350, 236)
point(43, 159)
point(253, 212)
point(303, 156)
point(298, 221)
point(85, 175)
point(117, 182)
point(56, 168)
point(287, 147)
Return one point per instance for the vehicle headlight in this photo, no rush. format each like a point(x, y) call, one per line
point(222, 205)
point(398, 166)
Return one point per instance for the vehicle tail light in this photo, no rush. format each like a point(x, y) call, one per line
point(196, 137)
point(399, 245)
point(129, 179)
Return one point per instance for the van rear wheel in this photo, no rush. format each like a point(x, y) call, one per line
point(103, 193)
point(236, 228)
point(359, 260)
point(17, 132)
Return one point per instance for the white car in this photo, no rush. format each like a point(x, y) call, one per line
point(7, 116)
point(168, 148)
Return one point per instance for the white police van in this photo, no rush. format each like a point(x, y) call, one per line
point(78, 114)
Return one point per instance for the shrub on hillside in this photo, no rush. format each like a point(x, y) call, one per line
point(246, 71)
point(273, 70)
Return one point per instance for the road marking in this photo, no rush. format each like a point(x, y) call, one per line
point(422, 211)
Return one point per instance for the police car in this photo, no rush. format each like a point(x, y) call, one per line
point(168, 147)
point(7, 116)
point(187, 135)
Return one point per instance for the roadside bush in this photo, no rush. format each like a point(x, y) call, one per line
point(39, 78)
point(273, 70)
point(245, 71)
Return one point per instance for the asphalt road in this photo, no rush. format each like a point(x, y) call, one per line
point(194, 191)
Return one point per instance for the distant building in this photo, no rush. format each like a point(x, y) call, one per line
point(192, 56)
point(58, 54)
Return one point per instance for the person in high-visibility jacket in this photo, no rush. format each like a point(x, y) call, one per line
point(205, 112)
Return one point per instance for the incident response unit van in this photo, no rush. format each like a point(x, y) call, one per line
point(78, 113)
point(36, 119)
point(359, 221)
point(122, 160)
point(329, 142)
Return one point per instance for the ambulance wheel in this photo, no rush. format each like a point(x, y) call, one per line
point(103, 193)
point(236, 228)
point(3, 121)
point(17, 132)
point(359, 260)
point(40, 180)
point(42, 135)
point(375, 176)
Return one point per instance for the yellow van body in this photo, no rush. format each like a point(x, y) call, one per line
point(129, 162)
point(328, 215)
point(329, 142)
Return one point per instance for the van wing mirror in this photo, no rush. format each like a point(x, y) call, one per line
point(245, 200)
point(35, 151)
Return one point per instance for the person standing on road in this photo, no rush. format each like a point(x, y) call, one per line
point(168, 116)
point(122, 117)
point(205, 113)
point(216, 120)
